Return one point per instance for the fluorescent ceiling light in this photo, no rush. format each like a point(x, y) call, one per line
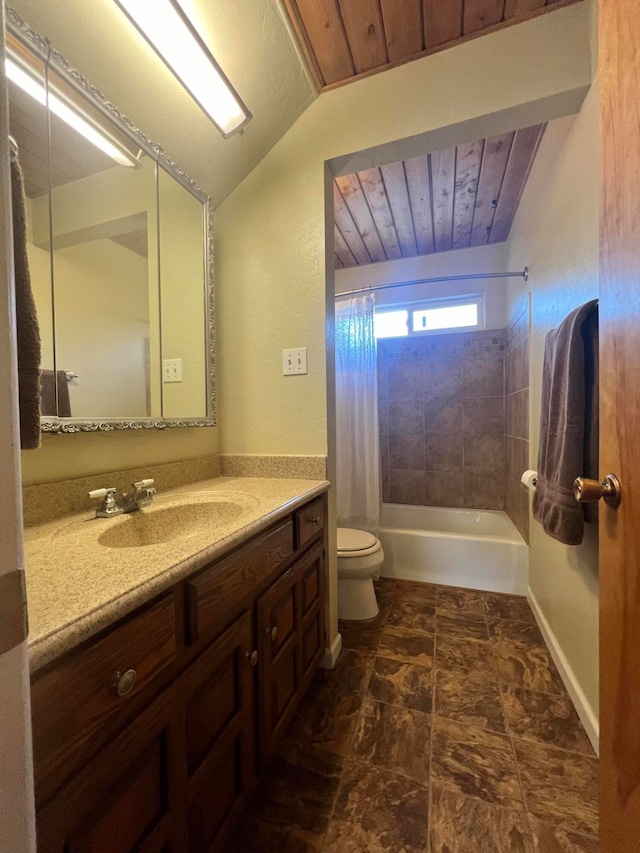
point(171, 35)
point(35, 88)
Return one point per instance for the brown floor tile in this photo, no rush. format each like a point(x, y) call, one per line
point(361, 636)
point(413, 617)
point(463, 657)
point(552, 839)
point(326, 719)
point(424, 593)
point(378, 812)
point(385, 586)
point(468, 701)
point(545, 718)
point(253, 836)
point(515, 631)
point(465, 600)
point(350, 674)
point(398, 645)
point(559, 787)
point(460, 824)
point(402, 684)
point(460, 624)
point(297, 791)
point(475, 762)
point(397, 739)
point(508, 607)
point(531, 667)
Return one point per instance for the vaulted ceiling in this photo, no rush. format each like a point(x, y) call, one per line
point(451, 199)
point(346, 39)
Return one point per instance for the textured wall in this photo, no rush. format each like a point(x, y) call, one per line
point(441, 415)
point(556, 233)
point(516, 403)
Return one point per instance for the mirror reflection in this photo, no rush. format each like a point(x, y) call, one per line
point(118, 260)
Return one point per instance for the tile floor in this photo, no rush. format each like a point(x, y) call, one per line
point(444, 728)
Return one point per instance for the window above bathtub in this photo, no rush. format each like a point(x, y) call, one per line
point(430, 316)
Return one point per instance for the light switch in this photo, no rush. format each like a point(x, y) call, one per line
point(172, 370)
point(294, 361)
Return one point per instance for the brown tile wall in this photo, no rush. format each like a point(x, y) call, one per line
point(516, 386)
point(441, 407)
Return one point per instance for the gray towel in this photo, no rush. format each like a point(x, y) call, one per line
point(27, 330)
point(51, 404)
point(568, 423)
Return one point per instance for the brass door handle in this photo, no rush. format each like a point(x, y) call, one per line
point(589, 491)
point(252, 657)
point(273, 632)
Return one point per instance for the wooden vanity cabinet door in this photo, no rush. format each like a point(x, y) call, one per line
point(220, 739)
point(129, 798)
point(290, 645)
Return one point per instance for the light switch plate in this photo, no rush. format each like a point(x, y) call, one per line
point(294, 361)
point(172, 370)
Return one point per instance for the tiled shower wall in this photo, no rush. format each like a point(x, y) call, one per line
point(516, 381)
point(442, 427)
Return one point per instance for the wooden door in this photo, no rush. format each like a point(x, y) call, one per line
point(619, 71)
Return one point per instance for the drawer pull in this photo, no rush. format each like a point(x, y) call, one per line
point(252, 657)
point(123, 683)
point(273, 632)
point(316, 521)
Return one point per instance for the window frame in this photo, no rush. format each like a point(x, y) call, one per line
point(434, 303)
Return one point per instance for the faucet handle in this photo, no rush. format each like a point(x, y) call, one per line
point(109, 505)
point(143, 484)
point(102, 493)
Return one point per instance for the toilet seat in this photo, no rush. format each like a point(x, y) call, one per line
point(356, 543)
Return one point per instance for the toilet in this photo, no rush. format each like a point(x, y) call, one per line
point(360, 557)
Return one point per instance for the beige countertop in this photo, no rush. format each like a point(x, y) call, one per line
point(77, 586)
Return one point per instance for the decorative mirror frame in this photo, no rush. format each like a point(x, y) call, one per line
point(43, 48)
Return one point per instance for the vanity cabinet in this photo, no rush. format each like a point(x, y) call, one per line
point(150, 737)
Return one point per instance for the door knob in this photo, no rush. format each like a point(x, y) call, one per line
point(588, 491)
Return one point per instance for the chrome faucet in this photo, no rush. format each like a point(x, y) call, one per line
point(142, 495)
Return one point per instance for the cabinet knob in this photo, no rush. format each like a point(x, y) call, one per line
point(252, 657)
point(316, 521)
point(123, 683)
point(273, 632)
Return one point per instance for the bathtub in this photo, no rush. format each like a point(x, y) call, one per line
point(478, 549)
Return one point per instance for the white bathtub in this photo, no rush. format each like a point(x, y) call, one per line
point(478, 549)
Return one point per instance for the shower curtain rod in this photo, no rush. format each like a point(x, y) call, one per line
point(470, 276)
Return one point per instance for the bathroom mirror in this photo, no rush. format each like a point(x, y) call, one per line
point(120, 254)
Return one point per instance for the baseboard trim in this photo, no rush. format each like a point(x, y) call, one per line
point(332, 653)
point(582, 706)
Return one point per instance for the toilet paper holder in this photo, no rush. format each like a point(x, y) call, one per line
point(529, 480)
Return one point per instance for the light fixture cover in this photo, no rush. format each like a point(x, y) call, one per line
point(170, 33)
point(69, 114)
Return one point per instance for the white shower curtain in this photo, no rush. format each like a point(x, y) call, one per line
point(358, 461)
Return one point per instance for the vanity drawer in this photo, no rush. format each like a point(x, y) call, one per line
point(77, 705)
point(309, 521)
point(215, 592)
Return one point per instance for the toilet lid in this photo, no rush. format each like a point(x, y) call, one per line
point(350, 539)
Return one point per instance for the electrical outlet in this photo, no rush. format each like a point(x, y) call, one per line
point(172, 370)
point(294, 361)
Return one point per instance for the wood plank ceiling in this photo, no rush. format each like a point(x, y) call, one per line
point(347, 39)
point(451, 199)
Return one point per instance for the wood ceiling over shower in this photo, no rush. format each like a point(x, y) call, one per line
point(451, 199)
point(347, 39)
